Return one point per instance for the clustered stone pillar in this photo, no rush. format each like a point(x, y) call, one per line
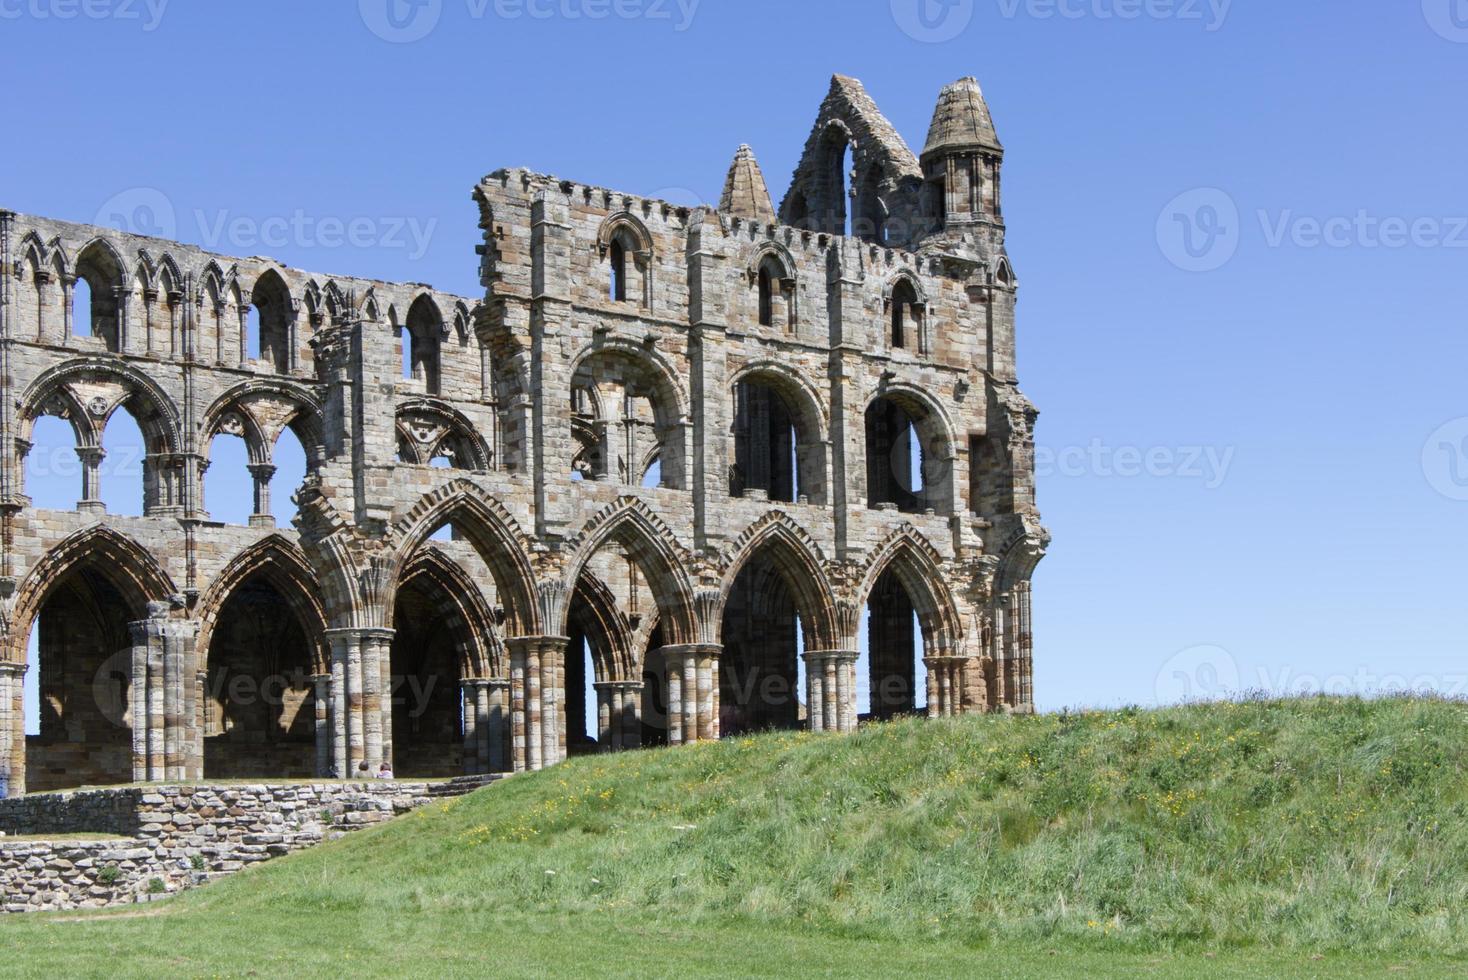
point(830, 682)
point(693, 692)
point(619, 725)
point(162, 701)
point(1012, 651)
point(486, 724)
point(12, 730)
point(946, 677)
point(361, 699)
point(537, 698)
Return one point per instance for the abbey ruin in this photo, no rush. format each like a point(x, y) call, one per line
point(697, 466)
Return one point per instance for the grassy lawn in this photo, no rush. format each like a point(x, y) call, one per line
point(1298, 838)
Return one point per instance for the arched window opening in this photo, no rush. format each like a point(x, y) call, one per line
point(423, 340)
point(907, 316)
point(123, 469)
point(252, 333)
point(766, 298)
point(78, 717)
point(94, 295)
point(602, 696)
point(268, 324)
point(653, 478)
point(81, 308)
point(777, 445)
point(291, 466)
point(760, 670)
point(904, 469)
point(228, 487)
point(259, 700)
point(935, 205)
point(624, 414)
point(53, 471)
point(835, 218)
point(617, 256)
point(776, 294)
point(427, 703)
point(891, 677)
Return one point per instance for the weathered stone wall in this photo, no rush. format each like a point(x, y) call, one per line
point(173, 837)
point(662, 431)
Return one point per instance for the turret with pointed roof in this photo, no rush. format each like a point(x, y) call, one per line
point(745, 194)
point(961, 159)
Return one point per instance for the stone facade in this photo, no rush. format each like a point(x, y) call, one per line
point(710, 446)
point(171, 837)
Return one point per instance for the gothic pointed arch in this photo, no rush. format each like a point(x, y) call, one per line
point(463, 607)
point(495, 534)
point(651, 544)
point(597, 614)
point(918, 566)
point(887, 175)
point(795, 555)
point(101, 385)
point(281, 562)
point(132, 569)
point(275, 404)
point(429, 428)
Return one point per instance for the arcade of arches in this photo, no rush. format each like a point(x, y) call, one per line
point(676, 473)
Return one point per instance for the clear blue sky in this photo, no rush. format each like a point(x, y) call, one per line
point(1330, 545)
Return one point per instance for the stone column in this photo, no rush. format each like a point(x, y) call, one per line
point(627, 719)
point(538, 694)
point(946, 685)
point(322, 685)
point(619, 727)
point(361, 713)
point(495, 735)
point(91, 502)
point(261, 474)
point(693, 708)
point(830, 680)
point(473, 722)
point(1024, 700)
point(12, 730)
point(162, 722)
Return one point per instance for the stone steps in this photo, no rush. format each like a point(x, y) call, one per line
point(463, 785)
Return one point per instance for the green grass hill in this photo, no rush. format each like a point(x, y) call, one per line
point(1263, 838)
